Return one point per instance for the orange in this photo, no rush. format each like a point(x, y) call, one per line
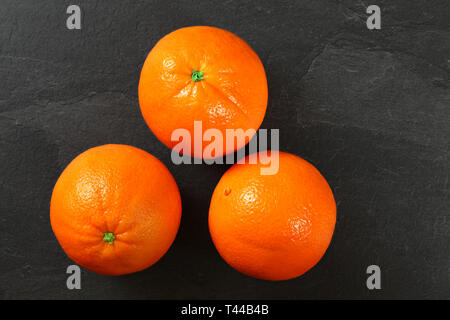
point(202, 74)
point(115, 209)
point(272, 227)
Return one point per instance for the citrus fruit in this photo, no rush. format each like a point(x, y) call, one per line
point(115, 209)
point(202, 74)
point(272, 227)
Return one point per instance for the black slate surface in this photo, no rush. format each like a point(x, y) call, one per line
point(369, 108)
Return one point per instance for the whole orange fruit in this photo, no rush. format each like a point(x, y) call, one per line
point(202, 74)
point(115, 209)
point(272, 227)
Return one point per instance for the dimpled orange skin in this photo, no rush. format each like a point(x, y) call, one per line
point(231, 95)
point(121, 190)
point(272, 227)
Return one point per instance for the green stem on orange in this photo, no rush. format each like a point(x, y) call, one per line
point(197, 75)
point(108, 237)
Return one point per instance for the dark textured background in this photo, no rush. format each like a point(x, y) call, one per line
point(371, 109)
